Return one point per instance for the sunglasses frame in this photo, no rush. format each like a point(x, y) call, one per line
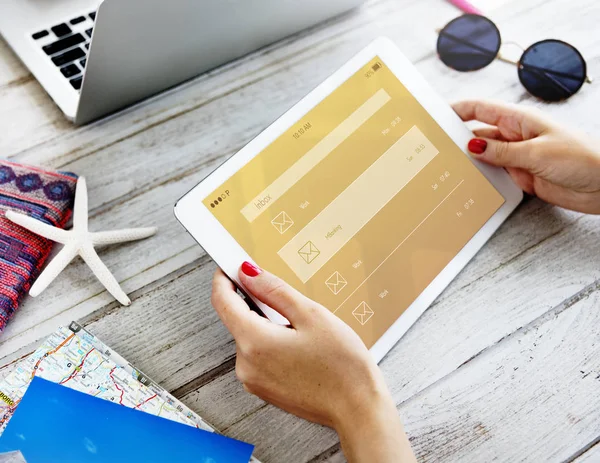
point(498, 54)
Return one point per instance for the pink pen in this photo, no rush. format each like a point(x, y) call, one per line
point(466, 6)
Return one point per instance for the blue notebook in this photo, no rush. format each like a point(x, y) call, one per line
point(56, 424)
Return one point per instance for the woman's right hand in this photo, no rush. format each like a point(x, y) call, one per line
point(317, 368)
point(544, 159)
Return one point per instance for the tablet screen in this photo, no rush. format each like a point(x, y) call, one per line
point(360, 204)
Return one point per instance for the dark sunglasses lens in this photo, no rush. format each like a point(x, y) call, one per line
point(469, 43)
point(552, 70)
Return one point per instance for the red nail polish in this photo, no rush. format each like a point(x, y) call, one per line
point(250, 269)
point(477, 146)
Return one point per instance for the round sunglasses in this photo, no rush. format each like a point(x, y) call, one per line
point(551, 69)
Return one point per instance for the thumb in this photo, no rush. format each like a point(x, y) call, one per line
point(503, 153)
point(276, 293)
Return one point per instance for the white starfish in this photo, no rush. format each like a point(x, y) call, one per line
point(80, 241)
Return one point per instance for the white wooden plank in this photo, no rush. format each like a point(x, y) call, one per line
point(492, 307)
point(382, 19)
point(223, 401)
point(531, 398)
point(488, 6)
point(337, 457)
point(154, 111)
point(289, 439)
point(184, 133)
point(532, 223)
point(357, 30)
point(139, 264)
point(125, 177)
point(171, 332)
point(115, 186)
point(88, 296)
point(12, 71)
point(453, 331)
point(589, 455)
point(28, 116)
point(135, 265)
point(500, 80)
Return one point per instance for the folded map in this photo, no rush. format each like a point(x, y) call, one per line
point(75, 358)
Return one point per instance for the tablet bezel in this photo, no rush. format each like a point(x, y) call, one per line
point(228, 254)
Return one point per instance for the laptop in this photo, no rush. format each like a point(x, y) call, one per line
point(94, 57)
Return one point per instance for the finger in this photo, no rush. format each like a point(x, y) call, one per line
point(489, 132)
point(276, 293)
point(523, 179)
point(515, 122)
point(231, 308)
point(504, 153)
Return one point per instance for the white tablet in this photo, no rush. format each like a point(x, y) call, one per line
point(361, 197)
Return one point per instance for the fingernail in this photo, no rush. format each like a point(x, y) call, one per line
point(477, 146)
point(250, 269)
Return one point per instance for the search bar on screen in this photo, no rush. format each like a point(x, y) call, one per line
point(320, 151)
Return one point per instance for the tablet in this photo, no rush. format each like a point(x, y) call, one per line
point(361, 197)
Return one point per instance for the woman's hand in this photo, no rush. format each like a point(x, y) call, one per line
point(318, 369)
point(545, 160)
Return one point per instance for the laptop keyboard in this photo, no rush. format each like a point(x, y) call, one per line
point(67, 44)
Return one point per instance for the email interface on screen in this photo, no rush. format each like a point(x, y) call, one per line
point(360, 204)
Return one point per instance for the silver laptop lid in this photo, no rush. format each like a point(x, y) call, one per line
point(141, 47)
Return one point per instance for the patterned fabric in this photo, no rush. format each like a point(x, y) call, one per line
point(46, 196)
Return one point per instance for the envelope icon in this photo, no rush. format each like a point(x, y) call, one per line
point(336, 282)
point(309, 252)
point(282, 222)
point(363, 313)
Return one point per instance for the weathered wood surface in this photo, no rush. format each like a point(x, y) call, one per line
point(504, 365)
point(589, 454)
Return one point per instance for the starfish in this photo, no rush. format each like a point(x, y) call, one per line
point(79, 241)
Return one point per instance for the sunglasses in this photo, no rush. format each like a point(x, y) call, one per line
point(551, 70)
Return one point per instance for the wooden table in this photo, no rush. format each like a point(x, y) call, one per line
point(504, 365)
